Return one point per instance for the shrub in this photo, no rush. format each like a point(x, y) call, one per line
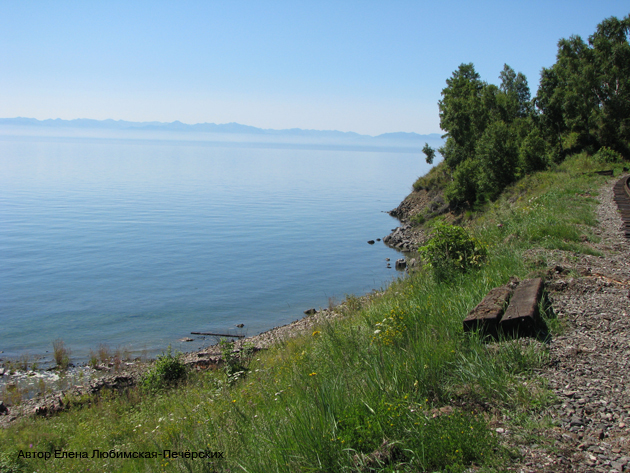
point(532, 153)
point(452, 249)
point(418, 219)
point(464, 187)
point(167, 371)
point(607, 155)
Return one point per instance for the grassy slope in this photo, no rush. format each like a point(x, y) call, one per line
point(418, 395)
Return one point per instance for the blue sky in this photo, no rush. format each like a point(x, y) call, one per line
point(368, 67)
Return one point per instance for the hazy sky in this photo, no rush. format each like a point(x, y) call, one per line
point(369, 67)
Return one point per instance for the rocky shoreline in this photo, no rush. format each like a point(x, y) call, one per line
point(405, 238)
point(128, 374)
point(211, 356)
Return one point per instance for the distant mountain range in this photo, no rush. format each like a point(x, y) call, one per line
point(86, 123)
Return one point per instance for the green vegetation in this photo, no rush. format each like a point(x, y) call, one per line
point(497, 135)
point(437, 178)
point(429, 152)
point(394, 384)
point(607, 155)
point(167, 372)
point(104, 356)
point(61, 354)
point(452, 249)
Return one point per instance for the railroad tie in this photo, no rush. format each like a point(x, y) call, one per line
point(621, 191)
point(522, 314)
point(486, 315)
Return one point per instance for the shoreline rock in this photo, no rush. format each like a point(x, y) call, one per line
point(55, 401)
point(406, 238)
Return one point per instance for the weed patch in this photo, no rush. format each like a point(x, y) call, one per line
point(61, 354)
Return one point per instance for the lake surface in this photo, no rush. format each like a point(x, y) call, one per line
point(136, 243)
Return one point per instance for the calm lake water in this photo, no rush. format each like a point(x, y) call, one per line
point(136, 243)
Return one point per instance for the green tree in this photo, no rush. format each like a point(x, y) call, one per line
point(548, 102)
point(462, 114)
point(485, 126)
point(429, 153)
point(497, 155)
point(516, 94)
point(532, 152)
point(464, 187)
point(611, 68)
point(584, 98)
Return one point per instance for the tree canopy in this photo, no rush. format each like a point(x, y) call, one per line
point(485, 126)
point(584, 98)
point(497, 134)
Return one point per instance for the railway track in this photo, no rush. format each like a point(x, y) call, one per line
point(622, 199)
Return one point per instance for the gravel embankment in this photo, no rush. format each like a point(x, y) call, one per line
point(589, 369)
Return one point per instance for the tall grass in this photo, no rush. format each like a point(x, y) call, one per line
point(61, 354)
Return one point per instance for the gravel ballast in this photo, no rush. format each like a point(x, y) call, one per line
point(589, 366)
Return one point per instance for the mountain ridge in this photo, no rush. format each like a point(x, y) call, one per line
point(231, 127)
